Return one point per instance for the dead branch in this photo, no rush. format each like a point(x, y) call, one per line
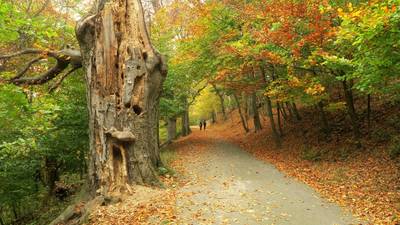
point(64, 58)
point(26, 68)
point(58, 83)
point(23, 52)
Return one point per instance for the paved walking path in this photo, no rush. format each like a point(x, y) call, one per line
point(232, 187)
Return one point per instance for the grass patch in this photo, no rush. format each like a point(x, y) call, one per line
point(167, 157)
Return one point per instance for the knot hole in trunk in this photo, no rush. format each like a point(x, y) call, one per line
point(137, 109)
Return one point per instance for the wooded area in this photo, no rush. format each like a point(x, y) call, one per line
point(92, 91)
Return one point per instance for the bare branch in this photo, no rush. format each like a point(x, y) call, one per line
point(44, 78)
point(64, 58)
point(26, 68)
point(23, 52)
point(58, 83)
point(197, 93)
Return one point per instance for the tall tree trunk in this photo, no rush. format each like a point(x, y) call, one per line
point(246, 107)
point(124, 77)
point(278, 110)
point(348, 94)
point(185, 120)
point(231, 104)
point(275, 133)
point(289, 109)
point(221, 100)
point(283, 110)
point(242, 118)
point(296, 112)
point(50, 174)
point(268, 105)
point(325, 124)
point(213, 117)
point(171, 129)
point(256, 115)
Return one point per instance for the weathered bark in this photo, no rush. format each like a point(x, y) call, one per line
point(256, 115)
point(348, 94)
point(242, 118)
point(171, 129)
point(221, 100)
point(124, 76)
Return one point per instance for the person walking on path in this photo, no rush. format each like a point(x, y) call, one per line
point(201, 124)
point(204, 124)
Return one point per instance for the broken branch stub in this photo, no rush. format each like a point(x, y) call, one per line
point(123, 136)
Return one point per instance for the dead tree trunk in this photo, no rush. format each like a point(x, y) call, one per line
point(124, 76)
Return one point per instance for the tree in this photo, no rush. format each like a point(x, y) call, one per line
point(124, 75)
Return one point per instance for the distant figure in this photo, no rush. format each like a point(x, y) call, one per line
point(204, 124)
point(201, 124)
